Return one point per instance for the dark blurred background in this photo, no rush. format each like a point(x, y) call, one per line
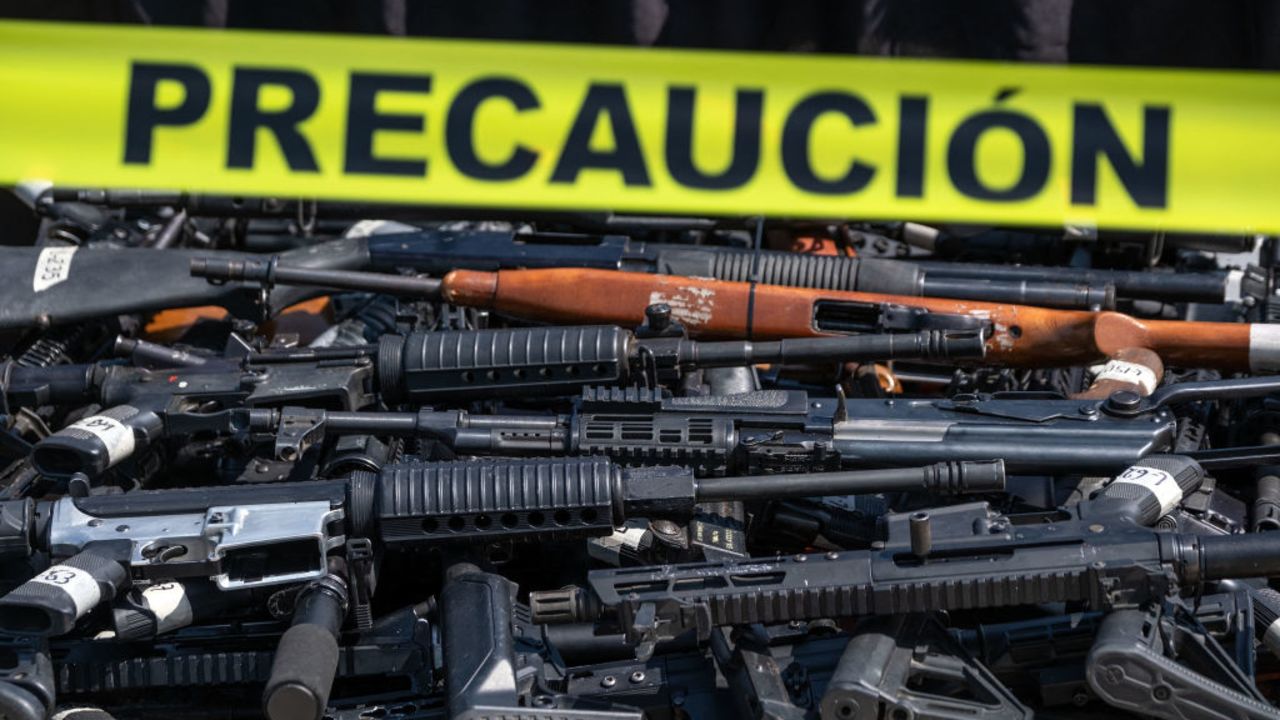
point(1187, 33)
point(1240, 34)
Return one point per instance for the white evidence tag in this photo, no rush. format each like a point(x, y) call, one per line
point(169, 603)
point(77, 584)
point(52, 267)
point(1160, 483)
point(115, 435)
point(1128, 372)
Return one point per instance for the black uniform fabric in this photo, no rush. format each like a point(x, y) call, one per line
point(1184, 33)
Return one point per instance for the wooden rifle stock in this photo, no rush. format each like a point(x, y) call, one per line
point(1022, 336)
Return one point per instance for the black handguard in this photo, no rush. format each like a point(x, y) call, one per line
point(242, 538)
point(422, 367)
point(974, 559)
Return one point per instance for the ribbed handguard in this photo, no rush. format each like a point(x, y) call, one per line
point(801, 587)
point(420, 367)
point(821, 272)
point(488, 500)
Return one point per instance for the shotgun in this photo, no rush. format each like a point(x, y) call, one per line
point(1022, 336)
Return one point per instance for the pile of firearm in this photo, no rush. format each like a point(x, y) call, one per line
point(311, 460)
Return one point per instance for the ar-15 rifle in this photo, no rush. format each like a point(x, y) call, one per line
point(952, 558)
point(497, 362)
point(771, 431)
point(217, 396)
point(295, 533)
point(1022, 336)
point(283, 533)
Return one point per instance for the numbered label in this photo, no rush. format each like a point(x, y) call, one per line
point(115, 435)
point(77, 584)
point(1161, 484)
point(52, 267)
point(169, 603)
point(1132, 373)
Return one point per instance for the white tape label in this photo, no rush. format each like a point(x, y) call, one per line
point(169, 603)
point(1264, 347)
point(1234, 293)
point(52, 267)
point(1128, 372)
point(115, 435)
point(78, 584)
point(1160, 483)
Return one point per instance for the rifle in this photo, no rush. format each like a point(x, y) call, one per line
point(1022, 336)
point(206, 395)
point(436, 252)
point(266, 535)
point(952, 558)
point(771, 431)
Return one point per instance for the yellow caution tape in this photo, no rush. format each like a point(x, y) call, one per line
point(637, 130)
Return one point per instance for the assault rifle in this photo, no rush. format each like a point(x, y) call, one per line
point(283, 533)
point(1022, 336)
point(771, 431)
point(952, 558)
point(217, 396)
